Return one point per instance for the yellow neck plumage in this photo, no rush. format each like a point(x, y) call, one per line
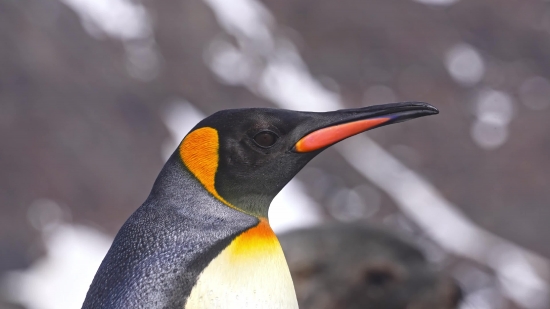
point(249, 273)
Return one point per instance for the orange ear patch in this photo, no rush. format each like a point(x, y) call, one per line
point(200, 154)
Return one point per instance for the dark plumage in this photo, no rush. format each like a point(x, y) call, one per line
point(159, 252)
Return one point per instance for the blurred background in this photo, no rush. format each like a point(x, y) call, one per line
point(95, 95)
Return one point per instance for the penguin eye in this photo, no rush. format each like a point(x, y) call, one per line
point(265, 139)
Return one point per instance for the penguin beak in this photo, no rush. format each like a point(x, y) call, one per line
point(332, 127)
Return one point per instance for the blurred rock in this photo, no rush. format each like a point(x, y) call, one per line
point(355, 266)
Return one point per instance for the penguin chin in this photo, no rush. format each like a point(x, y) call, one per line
point(254, 191)
point(255, 204)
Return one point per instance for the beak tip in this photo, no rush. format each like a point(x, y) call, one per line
point(433, 109)
point(422, 109)
point(428, 107)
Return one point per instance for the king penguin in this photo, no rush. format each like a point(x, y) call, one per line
point(202, 239)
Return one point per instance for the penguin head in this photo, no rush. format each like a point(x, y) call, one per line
point(244, 157)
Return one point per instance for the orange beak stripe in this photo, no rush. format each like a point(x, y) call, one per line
point(330, 135)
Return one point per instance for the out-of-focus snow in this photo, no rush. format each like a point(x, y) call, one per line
point(494, 110)
point(437, 2)
point(118, 18)
point(292, 209)
point(61, 278)
point(127, 21)
point(465, 64)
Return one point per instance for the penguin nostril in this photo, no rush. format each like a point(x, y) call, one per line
point(265, 139)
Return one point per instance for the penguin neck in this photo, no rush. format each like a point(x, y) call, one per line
point(174, 179)
point(174, 183)
point(252, 204)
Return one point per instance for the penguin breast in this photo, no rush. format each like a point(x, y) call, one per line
point(249, 273)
